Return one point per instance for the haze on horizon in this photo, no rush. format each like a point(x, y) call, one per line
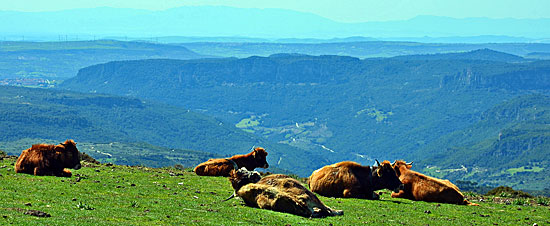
point(348, 11)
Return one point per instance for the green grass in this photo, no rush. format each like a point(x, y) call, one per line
point(513, 171)
point(378, 115)
point(248, 122)
point(122, 195)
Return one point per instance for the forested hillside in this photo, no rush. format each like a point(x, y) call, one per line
point(342, 107)
point(101, 121)
point(509, 145)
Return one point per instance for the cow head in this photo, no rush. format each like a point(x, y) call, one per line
point(386, 176)
point(69, 154)
point(242, 177)
point(259, 154)
point(400, 166)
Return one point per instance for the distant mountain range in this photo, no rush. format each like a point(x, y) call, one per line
point(345, 108)
point(215, 21)
point(59, 60)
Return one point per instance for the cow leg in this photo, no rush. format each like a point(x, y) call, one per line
point(65, 173)
point(38, 172)
point(400, 194)
point(347, 193)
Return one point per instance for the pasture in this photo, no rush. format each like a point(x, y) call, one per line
point(123, 195)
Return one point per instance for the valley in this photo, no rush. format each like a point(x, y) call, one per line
point(345, 108)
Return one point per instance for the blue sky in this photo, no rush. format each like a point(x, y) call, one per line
point(339, 10)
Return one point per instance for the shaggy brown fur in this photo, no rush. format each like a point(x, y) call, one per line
point(222, 167)
point(352, 180)
point(279, 193)
point(49, 159)
point(425, 188)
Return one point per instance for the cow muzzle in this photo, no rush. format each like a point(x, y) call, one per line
point(78, 166)
point(401, 187)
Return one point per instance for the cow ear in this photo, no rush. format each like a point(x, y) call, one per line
point(378, 172)
point(254, 153)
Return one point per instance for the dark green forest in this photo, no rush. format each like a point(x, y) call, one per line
point(345, 108)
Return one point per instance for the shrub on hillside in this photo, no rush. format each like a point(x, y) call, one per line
point(87, 158)
point(508, 192)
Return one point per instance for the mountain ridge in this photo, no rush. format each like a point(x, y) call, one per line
point(213, 21)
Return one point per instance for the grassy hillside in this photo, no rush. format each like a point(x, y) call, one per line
point(60, 60)
point(115, 195)
point(102, 119)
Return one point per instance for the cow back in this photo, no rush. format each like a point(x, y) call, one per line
point(337, 180)
point(284, 194)
point(214, 167)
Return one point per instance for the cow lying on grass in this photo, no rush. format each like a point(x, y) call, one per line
point(420, 187)
point(49, 159)
point(279, 193)
point(352, 180)
point(222, 167)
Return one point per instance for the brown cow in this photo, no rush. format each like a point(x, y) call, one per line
point(49, 159)
point(279, 193)
point(420, 187)
point(351, 180)
point(222, 167)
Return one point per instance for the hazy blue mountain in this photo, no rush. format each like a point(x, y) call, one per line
point(342, 107)
point(469, 39)
point(539, 55)
point(481, 54)
point(357, 49)
point(479, 39)
point(59, 60)
point(205, 21)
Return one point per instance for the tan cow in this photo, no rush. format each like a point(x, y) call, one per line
point(49, 159)
point(420, 187)
point(351, 180)
point(222, 167)
point(279, 193)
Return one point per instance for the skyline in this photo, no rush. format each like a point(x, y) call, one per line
point(348, 11)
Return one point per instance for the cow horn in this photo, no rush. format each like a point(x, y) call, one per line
point(233, 163)
point(410, 163)
point(230, 197)
point(377, 162)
